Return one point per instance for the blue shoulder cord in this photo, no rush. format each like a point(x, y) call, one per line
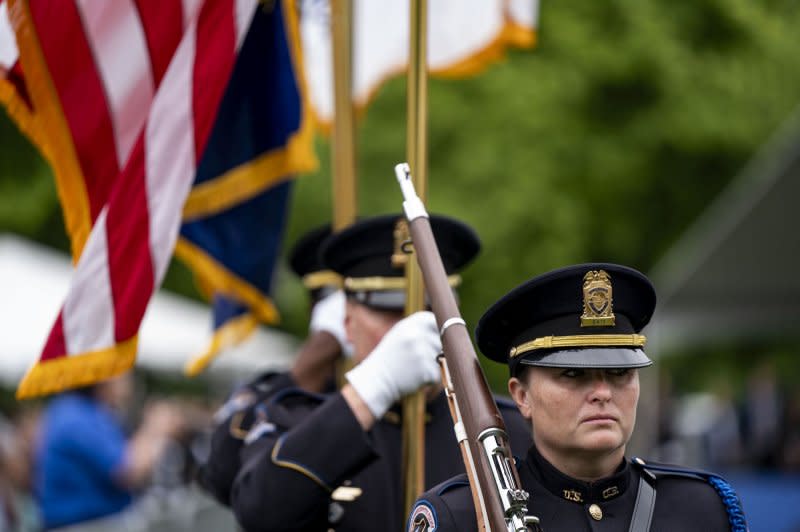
point(732, 504)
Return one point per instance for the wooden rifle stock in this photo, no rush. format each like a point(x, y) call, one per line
point(500, 503)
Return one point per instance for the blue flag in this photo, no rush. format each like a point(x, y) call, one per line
point(235, 216)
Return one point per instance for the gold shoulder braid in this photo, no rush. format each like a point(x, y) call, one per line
point(580, 340)
point(321, 278)
point(371, 284)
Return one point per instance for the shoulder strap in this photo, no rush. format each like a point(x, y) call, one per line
point(643, 508)
point(731, 502)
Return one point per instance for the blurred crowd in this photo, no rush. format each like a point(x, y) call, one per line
point(126, 456)
point(18, 510)
point(756, 429)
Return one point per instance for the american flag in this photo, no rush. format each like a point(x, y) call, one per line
point(120, 97)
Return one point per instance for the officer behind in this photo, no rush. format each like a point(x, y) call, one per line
point(333, 462)
point(312, 370)
point(571, 339)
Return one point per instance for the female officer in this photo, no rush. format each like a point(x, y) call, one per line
point(571, 339)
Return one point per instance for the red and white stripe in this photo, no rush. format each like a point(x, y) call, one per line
point(113, 31)
point(9, 54)
point(149, 131)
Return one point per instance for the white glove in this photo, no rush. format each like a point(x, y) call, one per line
point(328, 315)
point(403, 361)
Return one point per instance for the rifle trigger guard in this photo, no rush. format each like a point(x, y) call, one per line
point(449, 322)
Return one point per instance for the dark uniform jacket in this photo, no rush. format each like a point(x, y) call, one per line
point(308, 465)
point(233, 421)
point(685, 500)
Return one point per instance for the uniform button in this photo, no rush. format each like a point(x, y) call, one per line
point(595, 512)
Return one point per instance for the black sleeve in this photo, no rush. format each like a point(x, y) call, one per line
point(288, 473)
point(704, 500)
point(701, 507)
point(444, 508)
point(234, 420)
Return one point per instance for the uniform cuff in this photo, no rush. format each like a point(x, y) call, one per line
point(329, 445)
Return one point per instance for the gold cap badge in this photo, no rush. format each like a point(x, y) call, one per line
point(402, 238)
point(598, 308)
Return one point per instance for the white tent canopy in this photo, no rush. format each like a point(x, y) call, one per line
point(34, 281)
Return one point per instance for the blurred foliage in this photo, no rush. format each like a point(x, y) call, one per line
point(726, 370)
point(28, 200)
point(603, 144)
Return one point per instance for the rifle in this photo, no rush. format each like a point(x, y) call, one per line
point(500, 502)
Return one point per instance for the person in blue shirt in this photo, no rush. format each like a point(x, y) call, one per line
point(86, 465)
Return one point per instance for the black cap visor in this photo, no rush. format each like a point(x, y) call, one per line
point(391, 300)
point(601, 358)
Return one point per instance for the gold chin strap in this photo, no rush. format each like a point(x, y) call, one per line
point(315, 280)
point(580, 340)
point(370, 284)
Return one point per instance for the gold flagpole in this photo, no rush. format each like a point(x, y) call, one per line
point(343, 146)
point(413, 465)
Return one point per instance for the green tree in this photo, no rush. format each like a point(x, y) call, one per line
point(603, 143)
